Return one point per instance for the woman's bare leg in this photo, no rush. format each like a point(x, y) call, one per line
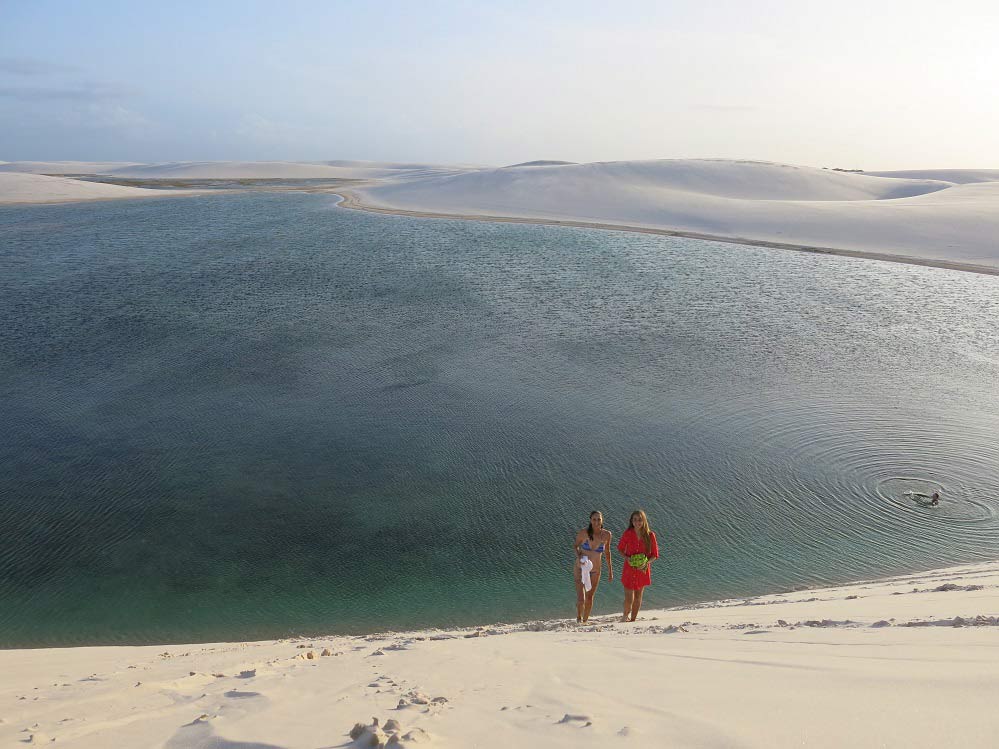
point(588, 602)
point(629, 596)
point(577, 573)
point(636, 603)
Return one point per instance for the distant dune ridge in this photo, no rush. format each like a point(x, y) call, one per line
point(64, 167)
point(937, 216)
point(957, 176)
point(18, 187)
point(231, 169)
point(364, 170)
point(254, 170)
point(540, 162)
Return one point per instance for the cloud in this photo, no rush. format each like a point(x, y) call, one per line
point(74, 92)
point(31, 66)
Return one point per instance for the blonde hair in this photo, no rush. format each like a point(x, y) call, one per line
point(645, 533)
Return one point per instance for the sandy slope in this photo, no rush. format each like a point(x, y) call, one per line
point(16, 187)
point(772, 203)
point(912, 661)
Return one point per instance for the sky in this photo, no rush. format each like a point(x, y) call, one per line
point(879, 84)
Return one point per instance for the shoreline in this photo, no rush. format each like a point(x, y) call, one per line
point(912, 660)
point(516, 624)
point(351, 201)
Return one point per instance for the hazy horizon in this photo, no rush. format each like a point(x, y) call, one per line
point(884, 85)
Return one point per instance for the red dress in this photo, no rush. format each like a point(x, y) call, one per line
point(630, 544)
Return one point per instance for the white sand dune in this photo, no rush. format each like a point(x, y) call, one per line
point(957, 176)
point(911, 661)
point(924, 219)
point(64, 167)
point(21, 187)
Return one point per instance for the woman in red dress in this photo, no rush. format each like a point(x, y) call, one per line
point(638, 544)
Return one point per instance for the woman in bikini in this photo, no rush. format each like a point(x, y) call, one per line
point(592, 543)
point(639, 547)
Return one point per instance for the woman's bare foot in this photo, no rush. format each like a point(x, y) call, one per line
point(625, 619)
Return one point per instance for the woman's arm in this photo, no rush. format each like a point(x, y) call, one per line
point(654, 554)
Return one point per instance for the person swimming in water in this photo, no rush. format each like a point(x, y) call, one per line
point(934, 498)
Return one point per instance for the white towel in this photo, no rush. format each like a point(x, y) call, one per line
point(586, 567)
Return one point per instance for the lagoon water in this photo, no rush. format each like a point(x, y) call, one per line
point(247, 416)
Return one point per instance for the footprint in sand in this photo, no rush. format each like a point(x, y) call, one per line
point(583, 721)
point(235, 694)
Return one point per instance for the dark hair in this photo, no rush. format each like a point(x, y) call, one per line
point(589, 528)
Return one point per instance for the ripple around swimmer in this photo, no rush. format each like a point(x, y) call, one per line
point(956, 506)
point(852, 462)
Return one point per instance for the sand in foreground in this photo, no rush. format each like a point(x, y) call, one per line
point(912, 661)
